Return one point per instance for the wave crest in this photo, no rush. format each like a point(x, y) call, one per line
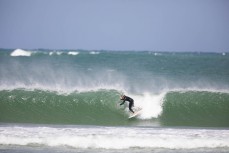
point(20, 52)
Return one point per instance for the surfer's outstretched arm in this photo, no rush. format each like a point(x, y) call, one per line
point(122, 102)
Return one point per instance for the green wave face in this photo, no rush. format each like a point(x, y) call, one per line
point(195, 108)
point(188, 108)
point(97, 108)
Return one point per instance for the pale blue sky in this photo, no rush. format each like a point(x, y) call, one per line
point(158, 25)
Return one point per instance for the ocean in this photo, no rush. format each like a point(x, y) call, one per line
point(68, 101)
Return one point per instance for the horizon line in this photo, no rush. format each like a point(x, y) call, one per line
point(134, 50)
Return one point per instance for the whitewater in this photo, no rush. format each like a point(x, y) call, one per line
point(114, 138)
point(68, 100)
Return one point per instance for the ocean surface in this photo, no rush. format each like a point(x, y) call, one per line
point(68, 101)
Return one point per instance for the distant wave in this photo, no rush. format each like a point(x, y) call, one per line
point(94, 53)
point(73, 53)
point(20, 52)
point(56, 53)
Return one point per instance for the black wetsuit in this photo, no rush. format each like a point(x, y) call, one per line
point(131, 102)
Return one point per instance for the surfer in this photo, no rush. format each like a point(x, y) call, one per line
point(130, 100)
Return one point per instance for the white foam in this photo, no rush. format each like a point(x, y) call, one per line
point(114, 137)
point(59, 53)
point(73, 53)
point(151, 104)
point(20, 52)
point(94, 53)
point(55, 52)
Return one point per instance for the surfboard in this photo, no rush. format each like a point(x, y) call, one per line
point(135, 114)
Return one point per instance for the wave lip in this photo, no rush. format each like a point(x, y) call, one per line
point(20, 52)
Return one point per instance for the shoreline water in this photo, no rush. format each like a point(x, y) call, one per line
point(74, 138)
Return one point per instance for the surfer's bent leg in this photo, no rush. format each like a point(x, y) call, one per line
point(131, 105)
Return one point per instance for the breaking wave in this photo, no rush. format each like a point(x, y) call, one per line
point(174, 108)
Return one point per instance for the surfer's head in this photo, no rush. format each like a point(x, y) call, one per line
point(122, 97)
